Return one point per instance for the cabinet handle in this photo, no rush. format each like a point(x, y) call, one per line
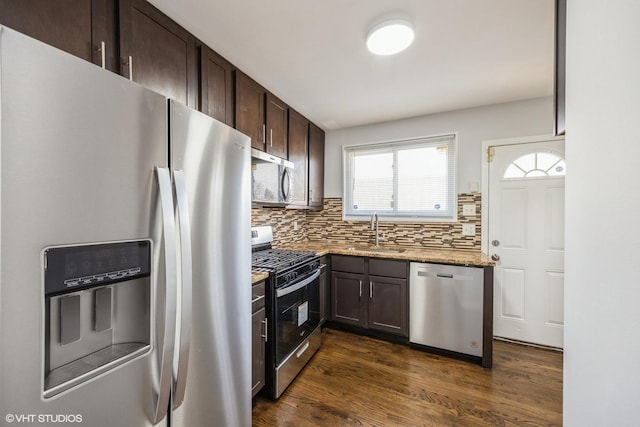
point(265, 323)
point(370, 289)
point(256, 299)
point(103, 54)
point(264, 134)
point(271, 137)
point(360, 288)
point(130, 64)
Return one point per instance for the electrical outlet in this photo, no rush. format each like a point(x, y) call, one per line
point(468, 229)
point(469, 210)
point(295, 225)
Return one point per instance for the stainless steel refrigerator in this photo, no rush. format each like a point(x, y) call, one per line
point(125, 251)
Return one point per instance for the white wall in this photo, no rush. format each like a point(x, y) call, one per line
point(513, 119)
point(602, 287)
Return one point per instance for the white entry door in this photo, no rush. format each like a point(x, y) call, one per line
point(526, 236)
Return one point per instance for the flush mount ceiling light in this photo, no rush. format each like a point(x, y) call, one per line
point(390, 37)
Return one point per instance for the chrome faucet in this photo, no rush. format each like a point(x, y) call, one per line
point(374, 223)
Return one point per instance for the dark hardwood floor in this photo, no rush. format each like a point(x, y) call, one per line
point(360, 381)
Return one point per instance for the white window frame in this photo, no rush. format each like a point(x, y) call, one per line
point(449, 216)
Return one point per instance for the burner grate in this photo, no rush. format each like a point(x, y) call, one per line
point(278, 259)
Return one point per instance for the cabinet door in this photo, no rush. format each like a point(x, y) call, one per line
point(348, 298)
point(299, 155)
point(276, 125)
point(316, 166)
point(76, 26)
point(257, 351)
point(388, 305)
point(250, 109)
point(216, 86)
point(157, 53)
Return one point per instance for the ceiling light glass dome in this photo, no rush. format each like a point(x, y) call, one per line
point(390, 37)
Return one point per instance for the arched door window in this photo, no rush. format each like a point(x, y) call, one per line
point(536, 165)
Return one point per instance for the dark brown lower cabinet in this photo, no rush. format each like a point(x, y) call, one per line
point(258, 336)
point(388, 305)
point(348, 300)
point(377, 302)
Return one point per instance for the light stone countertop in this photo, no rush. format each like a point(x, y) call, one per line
point(257, 276)
point(407, 253)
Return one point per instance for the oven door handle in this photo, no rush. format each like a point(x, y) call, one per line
point(299, 285)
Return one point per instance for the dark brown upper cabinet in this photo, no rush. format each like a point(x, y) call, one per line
point(261, 115)
point(560, 68)
point(216, 86)
point(276, 126)
point(316, 167)
point(299, 154)
point(84, 28)
point(250, 109)
point(157, 53)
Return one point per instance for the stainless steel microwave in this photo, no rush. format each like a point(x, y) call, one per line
point(271, 179)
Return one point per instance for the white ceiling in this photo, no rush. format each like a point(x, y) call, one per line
point(312, 54)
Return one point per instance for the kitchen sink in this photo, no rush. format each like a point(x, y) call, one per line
point(380, 250)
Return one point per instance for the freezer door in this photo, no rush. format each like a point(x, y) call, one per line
point(77, 150)
point(216, 160)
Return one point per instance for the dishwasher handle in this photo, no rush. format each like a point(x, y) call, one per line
point(425, 273)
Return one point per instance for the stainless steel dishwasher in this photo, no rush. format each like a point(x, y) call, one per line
point(445, 310)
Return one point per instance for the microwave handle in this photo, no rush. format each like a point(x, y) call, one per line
point(286, 179)
point(301, 284)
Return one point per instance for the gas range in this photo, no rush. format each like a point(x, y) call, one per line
point(292, 305)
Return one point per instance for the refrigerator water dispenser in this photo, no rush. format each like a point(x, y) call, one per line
point(97, 310)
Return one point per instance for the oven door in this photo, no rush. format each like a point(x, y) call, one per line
point(297, 313)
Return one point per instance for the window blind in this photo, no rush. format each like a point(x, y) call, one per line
point(402, 179)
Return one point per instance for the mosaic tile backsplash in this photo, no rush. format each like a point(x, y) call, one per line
point(327, 226)
point(283, 222)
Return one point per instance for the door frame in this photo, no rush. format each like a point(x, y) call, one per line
point(484, 215)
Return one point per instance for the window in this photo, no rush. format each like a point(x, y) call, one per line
point(535, 165)
point(401, 180)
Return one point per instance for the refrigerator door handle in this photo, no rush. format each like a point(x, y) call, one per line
point(165, 359)
point(184, 225)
